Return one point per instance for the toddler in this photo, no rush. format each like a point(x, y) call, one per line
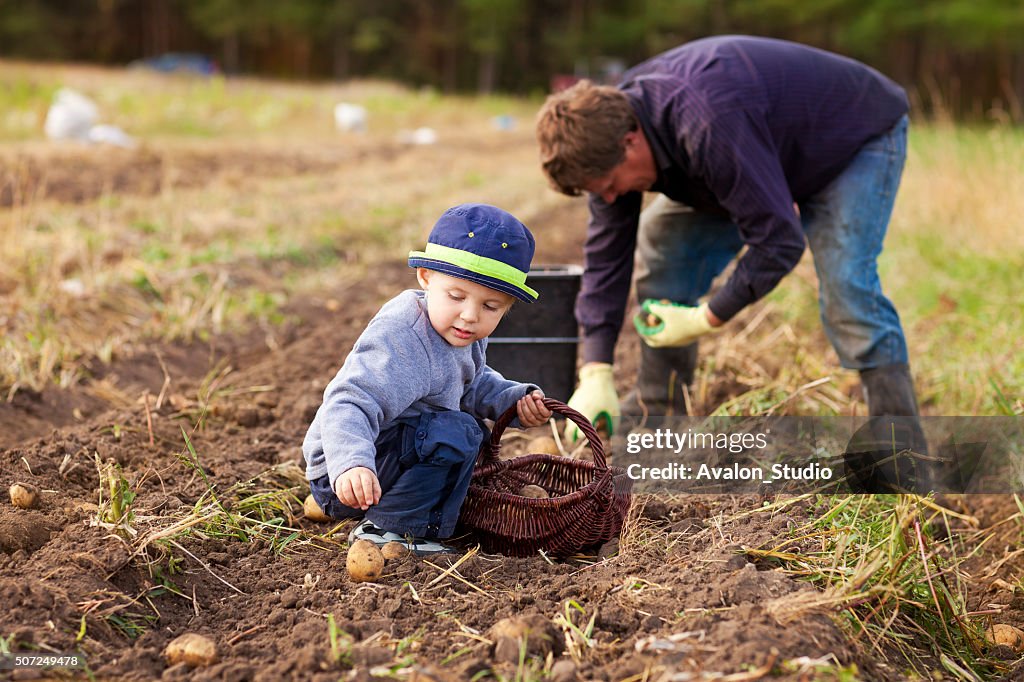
point(401, 424)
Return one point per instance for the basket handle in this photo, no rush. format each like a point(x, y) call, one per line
point(489, 453)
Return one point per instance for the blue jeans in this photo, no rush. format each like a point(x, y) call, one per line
point(679, 252)
point(424, 466)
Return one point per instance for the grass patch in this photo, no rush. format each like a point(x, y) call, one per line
point(258, 510)
point(897, 588)
point(157, 106)
point(80, 282)
point(951, 264)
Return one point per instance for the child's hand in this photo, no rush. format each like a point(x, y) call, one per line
point(532, 411)
point(358, 488)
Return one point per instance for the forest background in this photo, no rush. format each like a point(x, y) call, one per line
point(960, 59)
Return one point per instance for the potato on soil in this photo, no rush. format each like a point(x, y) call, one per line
point(543, 445)
point(24, 495)
point(365, 563)
point(513, 628)
point(534, 491)
point(393, 550)
point(312, 511)
point(1002, 634)
point(540, 635)
point(192, 649)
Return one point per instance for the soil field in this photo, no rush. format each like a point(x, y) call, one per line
point(208, 466)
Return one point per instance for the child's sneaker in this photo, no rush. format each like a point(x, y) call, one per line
point(380, 537)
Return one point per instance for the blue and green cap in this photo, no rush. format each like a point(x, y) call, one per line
point(482, 244)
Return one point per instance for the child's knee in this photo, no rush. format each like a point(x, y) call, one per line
point(448, 438)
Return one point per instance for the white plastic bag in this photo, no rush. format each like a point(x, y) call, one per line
point(70, 117)
point(108, 134)
point(420, 136)
point(350, 117)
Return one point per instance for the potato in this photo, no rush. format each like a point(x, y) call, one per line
point(24, 495)
point(539, 634)
point(534, 491)
point(543, 445)
point(365, 563)
point(586, 454)
point(312, 511)
point(193, 649)
point(513, 628)
point(393, 550)
point(652, 320)
point(1002, 634)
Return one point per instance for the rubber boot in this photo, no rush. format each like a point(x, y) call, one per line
point(890, 453)
point(660, 382)
point(889, 391)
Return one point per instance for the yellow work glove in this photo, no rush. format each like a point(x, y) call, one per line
point(666, 324)
point(594, 398)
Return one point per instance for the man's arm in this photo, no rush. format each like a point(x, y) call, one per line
point(735, 156)
point(608, 260)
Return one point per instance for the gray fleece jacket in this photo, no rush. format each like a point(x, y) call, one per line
point(399, 368)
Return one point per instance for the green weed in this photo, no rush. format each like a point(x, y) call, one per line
point(131, 625)
point(115, 498)
point(821, 670)
point(578, 639)
point(256, 510)
point(897, 588)
point(341, 643)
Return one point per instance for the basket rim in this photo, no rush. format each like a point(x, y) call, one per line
point(492, 446)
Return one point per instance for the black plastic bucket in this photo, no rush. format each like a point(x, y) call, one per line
point(536, 342)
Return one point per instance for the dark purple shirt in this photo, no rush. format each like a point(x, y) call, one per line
point(745, 127)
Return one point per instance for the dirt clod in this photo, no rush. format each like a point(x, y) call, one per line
point(25, 531)
point(249, 417)
point(563, 671)
point(655, 509)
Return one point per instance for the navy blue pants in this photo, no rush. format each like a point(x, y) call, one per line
point(424, 466)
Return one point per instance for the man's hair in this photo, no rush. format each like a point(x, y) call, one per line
point(580, 132)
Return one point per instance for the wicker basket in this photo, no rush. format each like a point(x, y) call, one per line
point(587, 503)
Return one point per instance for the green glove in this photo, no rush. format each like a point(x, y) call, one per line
point(594, 398)
point(664, 325)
